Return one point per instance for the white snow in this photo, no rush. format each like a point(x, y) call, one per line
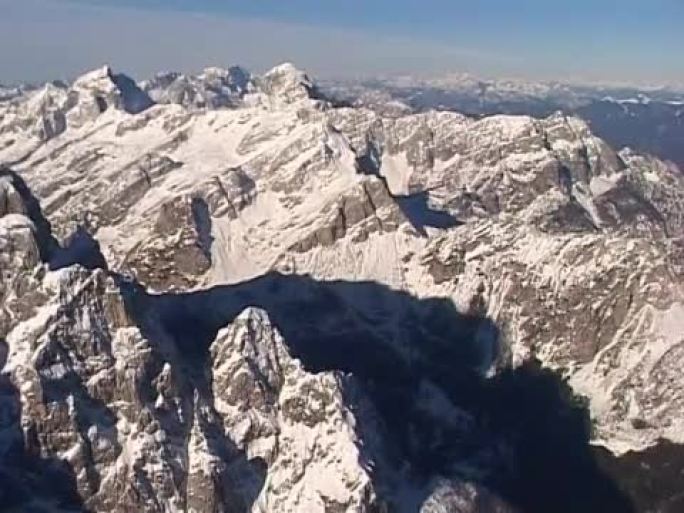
point(397, 171)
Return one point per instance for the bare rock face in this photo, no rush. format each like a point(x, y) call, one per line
point(20, 255)
point(364, 209)
point(428, 264)
point(179, 252)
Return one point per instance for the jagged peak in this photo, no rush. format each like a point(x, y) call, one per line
point(251, 339)
point(287, 72)
point(252, 326)
point(49, 95)
point(288, 84)
point(231, 71)
point(236, 78)
point(253, 316)
point(104, 81)
point(96, 76)
point(286, 68)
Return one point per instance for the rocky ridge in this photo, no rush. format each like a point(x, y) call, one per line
point(645, 118)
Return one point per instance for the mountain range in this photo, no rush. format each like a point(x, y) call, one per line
point(234, 293)
point(647, 119)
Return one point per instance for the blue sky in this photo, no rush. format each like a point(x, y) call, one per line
point(628, 40)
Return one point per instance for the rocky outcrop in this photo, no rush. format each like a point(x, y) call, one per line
point(178, 253)
point(297, 423)
point(215, 88)
point(21, 252)
point(285, 84)
point(361, 211)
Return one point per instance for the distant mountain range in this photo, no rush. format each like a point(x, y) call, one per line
point(648, 120)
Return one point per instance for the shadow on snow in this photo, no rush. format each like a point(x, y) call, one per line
point(526, 438)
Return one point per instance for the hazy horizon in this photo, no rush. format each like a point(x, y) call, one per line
point(59, 39)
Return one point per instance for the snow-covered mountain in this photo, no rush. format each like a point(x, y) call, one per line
point(226, 292)
point(649, 120)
